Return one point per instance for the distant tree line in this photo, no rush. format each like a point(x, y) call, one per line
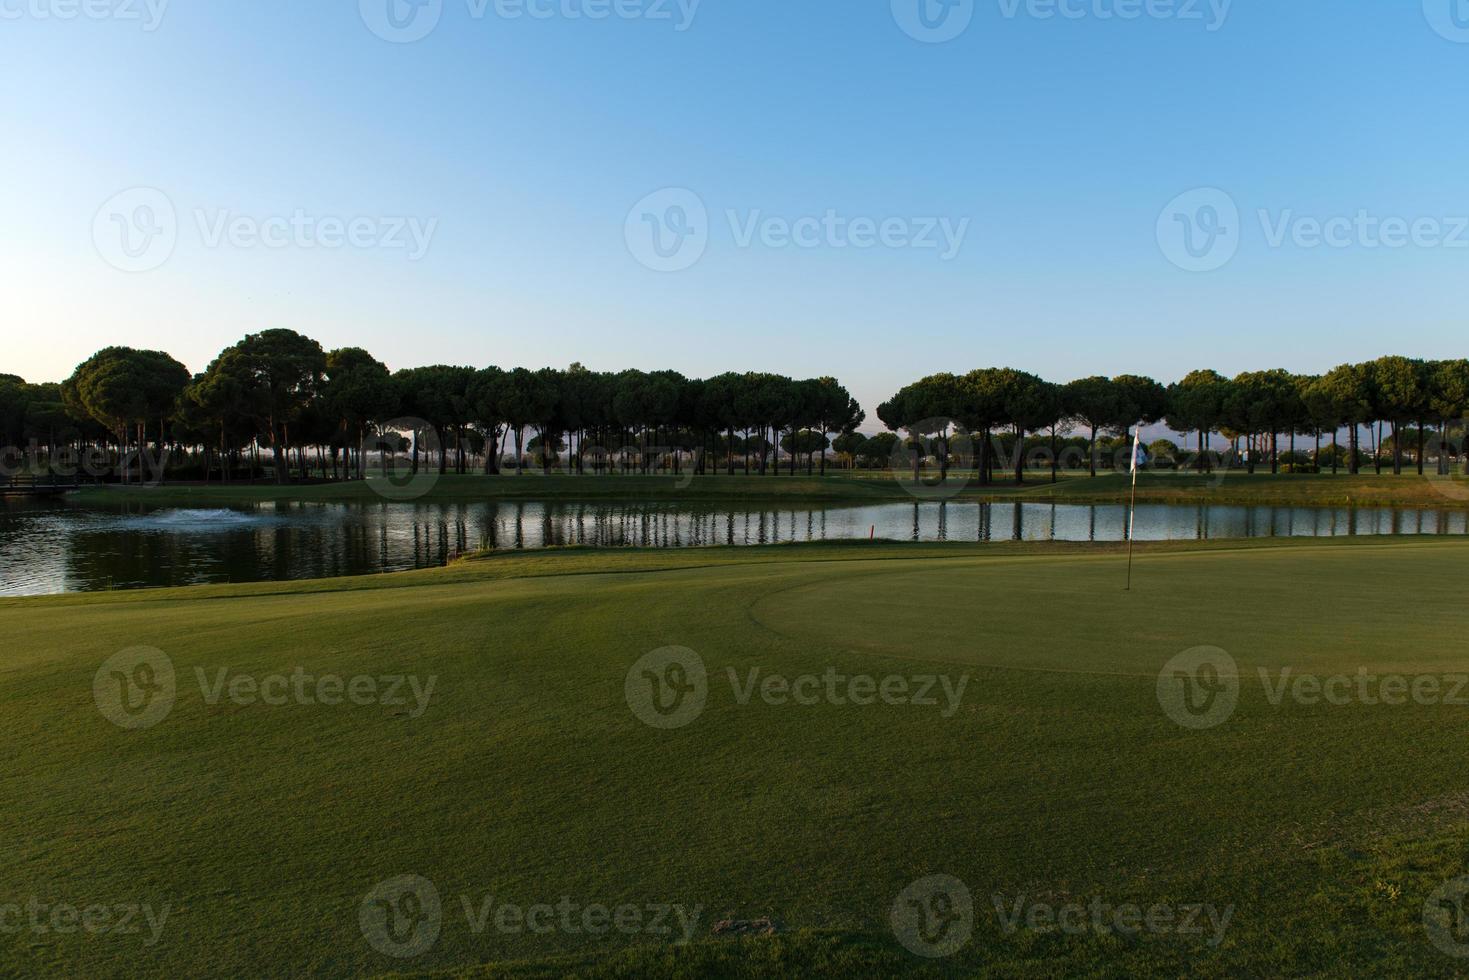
point(323, 413)
point(278, 397)
point(993, 410)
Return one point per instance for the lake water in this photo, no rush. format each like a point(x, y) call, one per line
point(55, 546)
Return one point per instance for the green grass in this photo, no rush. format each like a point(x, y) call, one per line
point(528, 777)
point(1235, 487)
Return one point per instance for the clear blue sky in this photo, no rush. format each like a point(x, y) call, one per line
point(528, 140)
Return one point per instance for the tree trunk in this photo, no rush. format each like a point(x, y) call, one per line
point(1019, 457)
point(1055, 459)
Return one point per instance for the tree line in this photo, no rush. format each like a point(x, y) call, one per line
point(279, 395)
point(1251, 411)
point(280, 392)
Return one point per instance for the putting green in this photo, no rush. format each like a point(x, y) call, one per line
point(1047, 771)
point(1306, 607)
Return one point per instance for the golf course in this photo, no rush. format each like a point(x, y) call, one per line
point(869, 715)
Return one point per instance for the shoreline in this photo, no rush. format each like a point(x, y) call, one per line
point(578, 560)
point(1232, 489)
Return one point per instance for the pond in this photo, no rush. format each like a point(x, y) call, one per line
point(57, 546)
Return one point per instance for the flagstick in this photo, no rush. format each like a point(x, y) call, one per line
point(1132, 510)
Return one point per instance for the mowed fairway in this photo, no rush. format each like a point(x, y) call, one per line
point(528, 778)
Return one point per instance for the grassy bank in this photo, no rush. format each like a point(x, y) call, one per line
point(527, 777)
point(1238, 487)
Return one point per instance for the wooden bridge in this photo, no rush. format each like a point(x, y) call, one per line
point(30, 485)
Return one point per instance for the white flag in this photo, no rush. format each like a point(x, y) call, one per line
point(1137, 446)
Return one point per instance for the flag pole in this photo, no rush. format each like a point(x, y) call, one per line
point(1132, 506)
